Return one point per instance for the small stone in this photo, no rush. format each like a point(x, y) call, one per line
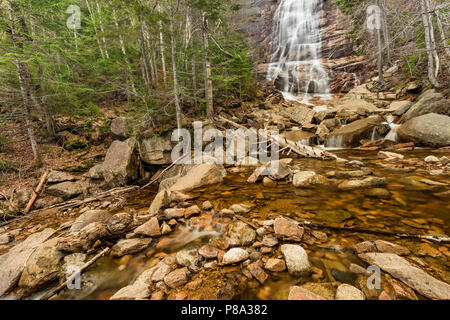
point(432, 159)
point(275, 265)
point(365, 246)
point(207, 205)
point(425, 249)
point(241, 208)
point(194, 285)
point(150, 228)
point(208, 252)
point(269, 241)
point(258, 272)
point(286, 229)
point(297, 293)
point(157, 295)
point(189, 257)
point(192, 211)
point(387, 247)
point(269, 183)
point(129, 246)
point(180, 295)
point(357, 269)
point(348, 292)
point(165, 229)
point(176, 278)
point(179, 196)
point(174, 213)
point(161, 270)
point(235, 255)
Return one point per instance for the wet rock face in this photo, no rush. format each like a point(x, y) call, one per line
point(256, 21)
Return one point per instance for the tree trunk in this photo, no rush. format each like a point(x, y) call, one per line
point(102, 29)
point(161, 47)
point(207, 65)
point(428, 44)
point(175, 76)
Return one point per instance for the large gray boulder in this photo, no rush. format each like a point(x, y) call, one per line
point(120, 128)
point(430, 130)
point(429, 102)
point(302, 115)
point(156, 150)
point(66, 190)
point(13, 262)
point(121, 163)
point(351, 135)
point(200, 175)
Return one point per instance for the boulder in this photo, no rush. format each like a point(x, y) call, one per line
point(307, 179)
point(42, 266)
point(275, 265)
point(58, 176)
point(156, 150)
point(430, 130)
point(13, 262)
point(66, 190)
point(429, 102)
point(200, 175)
point(414, 277)
point(297, 261)
point(302, 115)
point(350, 135)
point(388, 247)
point(121, 163)
point(120, 128)
point(23, 197)
point(129, 246)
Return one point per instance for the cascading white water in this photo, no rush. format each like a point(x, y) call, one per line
point(296, 63)
point(392, 135)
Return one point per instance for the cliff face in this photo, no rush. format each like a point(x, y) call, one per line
point(256, 21)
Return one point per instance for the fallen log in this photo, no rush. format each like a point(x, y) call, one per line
point(300, 149)
point(72, 277)
point(36, 192)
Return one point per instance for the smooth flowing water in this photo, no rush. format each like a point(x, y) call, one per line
point(296, 62)
point(411, 208)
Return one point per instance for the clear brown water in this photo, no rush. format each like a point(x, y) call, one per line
point(411, 209)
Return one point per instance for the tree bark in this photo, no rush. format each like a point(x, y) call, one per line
point(426, 24)
point(207, 65)
point(175, 75)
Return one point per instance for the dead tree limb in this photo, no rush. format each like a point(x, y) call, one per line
point(72, 277)
point(300, 149)
point(36, 192)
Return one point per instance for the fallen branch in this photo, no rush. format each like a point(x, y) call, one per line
point(162, 172)
point(36, 192)
point(100, 196)
point(76, 274)
point(300, 149)
point(440, 239)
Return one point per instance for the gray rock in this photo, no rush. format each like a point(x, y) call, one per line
point(176, 278)
point(235, 255)
point(243, 233)
point(150, 228)
point(348, 292)
point(120, 128)
point(23, 197)
point(307, 179)
point(129, 246)
point(351, 135)
point(365, 183)
point(156, 150)
point(298, 293)
point(66, 190)
point(287, 229)
point(13, 262)
point(200, 175)
point(42, 266)
point(429, 102)
point(58, 176)
point(121, 163)
point(430, 130)
point(189, 257)
point(297, 260)
point(414, 277)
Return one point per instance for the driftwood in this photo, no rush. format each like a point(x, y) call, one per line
point(72, 277)
point(36, 192)
point(100, 196)
point(440, 239)
point(163, 171)
point(300, 149)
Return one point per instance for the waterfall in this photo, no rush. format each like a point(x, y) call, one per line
point(296, 61)
point(392, 135)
